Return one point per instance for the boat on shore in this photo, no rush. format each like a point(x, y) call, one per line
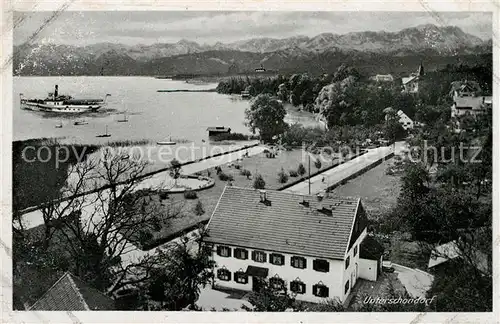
point(60, 125)
point(57, 103)
point(170, 142)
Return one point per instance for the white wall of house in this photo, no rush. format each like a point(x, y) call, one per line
point(368, 269)
point(333, 279)
point(351, 274)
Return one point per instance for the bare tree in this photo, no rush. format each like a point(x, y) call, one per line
point(101, 226)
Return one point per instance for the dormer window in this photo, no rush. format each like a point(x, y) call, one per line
point(224, 274)
point(224, 251)
point(320, 290)
point(298, 262)
point(259, 256)
point(321, 265)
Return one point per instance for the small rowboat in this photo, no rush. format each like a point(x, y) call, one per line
point(170, 142)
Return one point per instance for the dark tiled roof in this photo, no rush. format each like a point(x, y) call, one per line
point(69, 293)
point(283, 224)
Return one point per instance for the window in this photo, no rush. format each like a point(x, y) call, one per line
point(277, 259)
point(320, 290)
point(321, 265)
point(224, 251)
point(224, 274)
point(241, 277)
point(347, 262)
point(259, 256)
point(276, 283)
point(298, 287)
point(241, 254)
point(355, 250)
point(346, 287)
point(298, 262)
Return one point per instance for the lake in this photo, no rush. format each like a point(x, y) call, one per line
point(152, 115)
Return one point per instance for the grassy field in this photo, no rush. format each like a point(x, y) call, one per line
point(378, 192)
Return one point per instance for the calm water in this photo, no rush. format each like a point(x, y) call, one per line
point(152, 115)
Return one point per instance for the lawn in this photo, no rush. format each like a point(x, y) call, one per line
point(260, 163)
point(378, 192)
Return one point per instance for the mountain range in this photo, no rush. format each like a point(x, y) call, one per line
point(240, 56)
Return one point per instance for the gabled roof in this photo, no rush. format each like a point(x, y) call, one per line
point(69, 293)
point(465, 86)
point(283, 223)
point(406, 80)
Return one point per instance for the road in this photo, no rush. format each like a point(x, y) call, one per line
point(330, 177)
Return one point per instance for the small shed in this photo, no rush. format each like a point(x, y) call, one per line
point(214, 131)
point(370, 258)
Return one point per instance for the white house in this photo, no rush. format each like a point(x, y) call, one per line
point(308, 243)
point(405, 121)
point(410, 83)
point(383, 78)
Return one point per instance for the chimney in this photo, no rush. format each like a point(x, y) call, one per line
point(263, 196)
point(56, 91)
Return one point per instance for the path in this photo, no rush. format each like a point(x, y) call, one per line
point(341, 172)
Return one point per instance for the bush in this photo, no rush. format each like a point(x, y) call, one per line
point(301, 170)
point(293, 173)
point(246, 173)
point(237, 166)
point(198, 209)
point(225, 177)
point(163, 195)
point(259, 182)
point(190, 194)
point(144, 236)
point(282, 176)
point(317, 164)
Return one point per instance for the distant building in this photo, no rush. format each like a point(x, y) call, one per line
point(261, 69)
point(465, 89)
point(383, 78)
point(245, 94)
point(214, 131)
point(70, 293)
point(473, 106)
point(311, 244)
point(467, 99)
point(410, 83)
point(403, 118)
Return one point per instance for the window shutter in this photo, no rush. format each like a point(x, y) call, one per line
point(253, 255)
point(293, 286)
point(218, 250)
point(303, 287)
point(229, 252)
point(326, 291)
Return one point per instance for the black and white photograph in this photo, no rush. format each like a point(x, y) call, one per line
point(252, 161)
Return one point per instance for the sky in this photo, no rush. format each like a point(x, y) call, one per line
point(209, 27)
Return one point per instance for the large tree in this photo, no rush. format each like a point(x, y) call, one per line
point(267, 116)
